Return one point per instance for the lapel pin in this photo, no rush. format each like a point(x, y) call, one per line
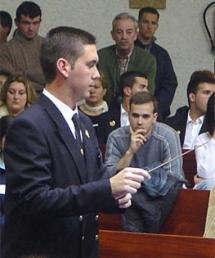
point(87, 134)
point(112, 123)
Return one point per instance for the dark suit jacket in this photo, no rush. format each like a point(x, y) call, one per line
point(179, 122)
point(51, 199)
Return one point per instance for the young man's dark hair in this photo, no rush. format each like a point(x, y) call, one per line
point(140, 98)
point(28, 8)
point(6, 20)
point(66, 42)
point(127, 79)
point(147, 10)
point(198, 77)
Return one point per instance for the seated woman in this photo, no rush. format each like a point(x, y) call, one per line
point(205, 151)
point(96, 108)
point(16, 94)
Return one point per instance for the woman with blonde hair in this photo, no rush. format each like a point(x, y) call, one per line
point(16, 94)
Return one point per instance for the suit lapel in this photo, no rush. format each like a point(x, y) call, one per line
point(65, 134)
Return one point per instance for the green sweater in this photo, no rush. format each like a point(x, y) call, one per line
point(140, 61)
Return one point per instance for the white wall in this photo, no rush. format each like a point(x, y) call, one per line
point(181, 29)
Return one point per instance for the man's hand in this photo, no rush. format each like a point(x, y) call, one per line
point(137, 140)
point(126, 183)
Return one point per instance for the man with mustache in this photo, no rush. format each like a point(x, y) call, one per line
point(124, 56)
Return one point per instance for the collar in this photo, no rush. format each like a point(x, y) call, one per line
point(65, 110)
point(124, 57)
point(199, 120)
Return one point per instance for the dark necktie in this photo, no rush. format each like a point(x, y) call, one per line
point(77, 126)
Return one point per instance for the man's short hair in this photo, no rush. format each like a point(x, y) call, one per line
point(210, 115)
point(140, 98)
point(63, 42)
point(28, 8)
point(122, 16)
point(127, 79)
point(198, 77)
point(6, 20)
point(148, 9)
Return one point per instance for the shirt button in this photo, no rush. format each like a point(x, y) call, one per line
point(82, 238)
point(96, 237)
point(96, 217)
point(80, 218)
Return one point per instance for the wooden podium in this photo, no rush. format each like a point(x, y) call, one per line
point(181, 235)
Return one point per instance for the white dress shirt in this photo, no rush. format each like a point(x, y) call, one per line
point(192, 131)
point(124, 117)
point(205, 156)
point(65, 110)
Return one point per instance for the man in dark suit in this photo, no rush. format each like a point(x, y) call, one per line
point(165, 81)
point(56, 183)
point(190, 121)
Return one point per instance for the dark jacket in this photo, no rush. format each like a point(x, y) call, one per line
point(52, 199)
point(165, 81)
point(179, 122)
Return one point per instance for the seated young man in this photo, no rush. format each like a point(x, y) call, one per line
point(147, 144)
point(190, 121)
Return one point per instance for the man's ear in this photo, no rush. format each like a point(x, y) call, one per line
point(112, 35)
point(63, 67)
point(16, 22)
point(192, 97)
point(127, 91)
point(155, 116)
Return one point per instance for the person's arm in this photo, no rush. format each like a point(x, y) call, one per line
point(172, 149)
point(31, 173)
point(117, 156)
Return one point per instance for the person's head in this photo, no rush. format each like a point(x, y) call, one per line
point(5, 25)
point(70, 54)
point(3, 78)
point(210, 115)
point(132, 82)
point(124, 31)
point(199, 89)
point(97, 92)
point(148, 22)
point(5, 123)
point(28, 18)
point(143, 112)
point(17, 93)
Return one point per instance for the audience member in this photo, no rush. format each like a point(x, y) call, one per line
point(16, 95)
point(124, 55)
point(190, 121)
point(130, 83)
point(205, 150)
point(166, 81)
point(57, 183)
point(147, 144)
point(21, 53)
point(5, 26)
point(96, 108)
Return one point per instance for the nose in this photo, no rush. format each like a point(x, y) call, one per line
point(140, 120)
point(96, 73)
point(124, 35)
point(16, 95)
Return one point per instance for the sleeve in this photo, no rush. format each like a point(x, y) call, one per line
point(114, 152)
point(6, 60)
point(32, 179)
point(172, 150)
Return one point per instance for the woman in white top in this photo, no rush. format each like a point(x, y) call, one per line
point(205, 151)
